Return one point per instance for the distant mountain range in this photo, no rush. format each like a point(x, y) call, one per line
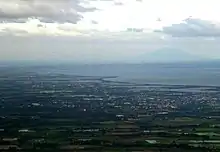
point(170, 55)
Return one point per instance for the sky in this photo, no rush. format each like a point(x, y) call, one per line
point(107, 30)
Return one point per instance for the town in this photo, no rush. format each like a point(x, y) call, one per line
point(58, 112)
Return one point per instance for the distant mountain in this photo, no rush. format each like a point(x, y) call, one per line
point(170, 55)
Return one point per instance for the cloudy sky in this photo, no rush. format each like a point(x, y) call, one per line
point(107, 30)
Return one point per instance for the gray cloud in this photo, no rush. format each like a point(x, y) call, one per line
point(94, 22)
point(44, 10)
point(135, 30)
point(118, 3)
point(192, 28)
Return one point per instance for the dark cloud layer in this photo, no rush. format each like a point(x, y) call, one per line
point(45, 10)
point(193, 28)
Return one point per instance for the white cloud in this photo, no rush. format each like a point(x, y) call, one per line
point(95, 17)
point(145, 14)
point(36, 27)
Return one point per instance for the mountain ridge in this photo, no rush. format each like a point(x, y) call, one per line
point(170, 55)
